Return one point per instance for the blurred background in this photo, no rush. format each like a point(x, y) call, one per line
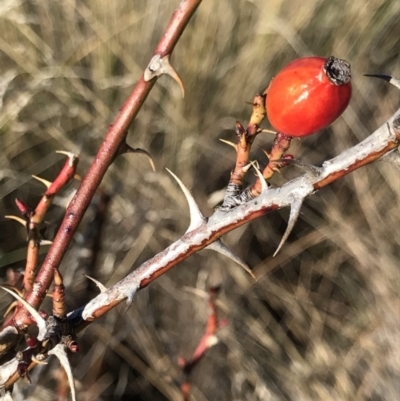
point(322, 320)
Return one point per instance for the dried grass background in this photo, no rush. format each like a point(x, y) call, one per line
point(322, 320)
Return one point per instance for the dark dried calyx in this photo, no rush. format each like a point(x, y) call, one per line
point(338, 71)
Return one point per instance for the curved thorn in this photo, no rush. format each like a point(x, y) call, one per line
point(46, 183)
point(294, 214)
point(16, 218)
point(266, 154)
point(264, 185)
point(41, 323)
point(159, 66)
point(388, 78)
point(219, 247)
point(59, 351)
point(99, 285)
point(229, 143)
point(196, 217)
point(129, 149)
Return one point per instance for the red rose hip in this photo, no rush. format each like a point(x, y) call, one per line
point(308, 94)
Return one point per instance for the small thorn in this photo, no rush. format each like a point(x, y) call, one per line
point(159, 66)
point(72, 156)
point(268, 131)
point(264, 185)
point(196, 217)
point(219, 247)
point(392, 80)
point(99, 285)
point(16, 218)
point(41, 323)
point(44, 242)
point(129, 149)
point(22, 207)
point(211, 341)
point(246, 168)
point(229, 143)
point(266, 154)
point(294, 214)
point(276, 170)
point(43, 181)
point(59, 351)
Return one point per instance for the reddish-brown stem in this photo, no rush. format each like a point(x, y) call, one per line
point(207, 340)
point(63, 178)
point(108, 150)
point(37, 216)
point(245, 140)
point(280, 146)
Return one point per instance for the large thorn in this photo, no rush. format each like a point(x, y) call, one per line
point(60, 352)
point(264, 185)
point(159, 66)
point(223, 250)
point(41, 323)
point(392, 80)
point(295, 207)
point(99, 285)
point(196, 217)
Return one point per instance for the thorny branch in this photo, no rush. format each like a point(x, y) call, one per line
point(381, 142)
point(202, 232)
point(113, 140)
